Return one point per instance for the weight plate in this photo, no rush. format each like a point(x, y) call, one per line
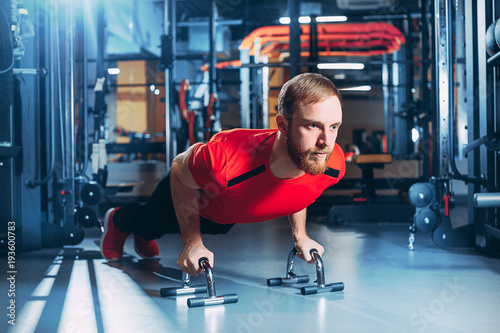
point(420, 194)
point(86, 217)
point(91, 194)
point(426, 220)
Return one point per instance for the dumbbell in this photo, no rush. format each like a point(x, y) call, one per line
point(211, 299)
point(492, 38)
point(290, 277)
point(320, 286)
point(186, 289)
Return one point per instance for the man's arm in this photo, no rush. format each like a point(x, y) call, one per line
point(303, 243)
point(185, 197)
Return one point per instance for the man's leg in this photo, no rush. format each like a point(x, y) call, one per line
point(147, 221)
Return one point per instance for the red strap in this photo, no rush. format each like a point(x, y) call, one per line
point(446, 199)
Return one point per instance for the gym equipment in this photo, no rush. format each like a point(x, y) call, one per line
point(87, 217)
point(433, 203)
point(421, 196)
point(91, 193)
point(187, 289)
point(497, 32)
point(290, 277)
point(367, 205)
point(483, 200)
point(490, 41)
point(368, 162)
point(320, 286)
point(212, 299)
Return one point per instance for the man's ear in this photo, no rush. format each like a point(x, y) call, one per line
point(282, 123)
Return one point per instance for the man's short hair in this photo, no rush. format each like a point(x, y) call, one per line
point(305, 89)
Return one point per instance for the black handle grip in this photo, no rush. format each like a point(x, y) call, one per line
point(165, 292)
point(196, 302)
point(274, 282)
point(308, 290)
point(201, 260)
point(337, 286)
point(230, 298)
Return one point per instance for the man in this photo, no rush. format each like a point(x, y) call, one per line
point(242, 176)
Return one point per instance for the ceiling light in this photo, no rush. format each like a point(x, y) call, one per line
point(319, 19)
point(284, 20)
point(304, 20)
point(324, 19)
point(346, 65)
point(113, 71)
point(358, 88)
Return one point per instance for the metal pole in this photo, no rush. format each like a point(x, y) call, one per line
point(461, 88)
point(294, 43)
point(265, 93)
point(443, 80)
point(212, 46)
point(69, 114)
point(99, 98)
point(169, 7)
point(245, 89)
point(386, 89)
point(85, 92)
point(472, 85)
point(426, 96)
point(313, 44)
point(256, 85)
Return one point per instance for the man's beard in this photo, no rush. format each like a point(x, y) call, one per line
point(306, 160)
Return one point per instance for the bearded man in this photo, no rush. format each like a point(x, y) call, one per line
point(242, 176)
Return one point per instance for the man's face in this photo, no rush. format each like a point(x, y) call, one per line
point(311, 135)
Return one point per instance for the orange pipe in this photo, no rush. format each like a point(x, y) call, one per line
point(357, 39)
point(358, 29)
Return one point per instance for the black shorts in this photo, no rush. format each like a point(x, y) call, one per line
point(157, 217)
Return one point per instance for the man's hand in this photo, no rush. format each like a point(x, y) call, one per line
point(189, 257)
point(304, 246)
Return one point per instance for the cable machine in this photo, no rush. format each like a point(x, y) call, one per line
point(465, 84)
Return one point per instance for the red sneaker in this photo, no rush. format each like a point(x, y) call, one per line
point(145, 249)
point(113, 239)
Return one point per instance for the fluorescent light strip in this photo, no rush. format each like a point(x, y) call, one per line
point(326, 19)
point(113, 71)
point(78, 311)
point(346, 65)
point(304, 20)
point(30, 314)
point(52, 270)
point(125, 307)
point(284, 20)
point(44, 287)
point(358, 88)
point(319, 19)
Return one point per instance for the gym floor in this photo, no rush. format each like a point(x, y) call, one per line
point(387, 287)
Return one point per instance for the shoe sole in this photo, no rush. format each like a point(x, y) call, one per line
point(106, 219)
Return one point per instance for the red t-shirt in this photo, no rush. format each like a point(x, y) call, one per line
point(232, 170)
